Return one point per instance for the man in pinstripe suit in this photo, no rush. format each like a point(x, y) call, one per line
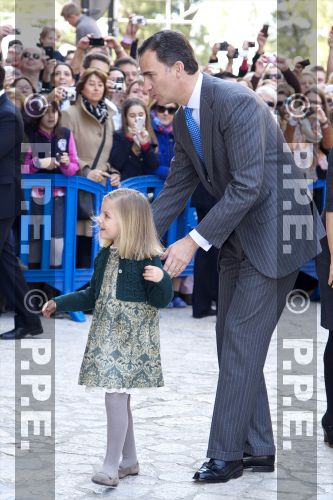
point(264, 224)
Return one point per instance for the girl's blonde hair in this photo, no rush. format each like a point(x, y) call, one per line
point(138, 238)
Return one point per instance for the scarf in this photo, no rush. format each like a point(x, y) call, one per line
point(100, 112)
point(159, 126)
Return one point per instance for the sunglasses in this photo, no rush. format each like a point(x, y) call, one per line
point(29, 55)
point(273, 77)
point(163, 109)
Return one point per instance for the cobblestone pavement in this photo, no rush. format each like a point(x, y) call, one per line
point(172, 423)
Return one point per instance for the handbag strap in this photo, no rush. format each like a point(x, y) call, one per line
point(99, 149)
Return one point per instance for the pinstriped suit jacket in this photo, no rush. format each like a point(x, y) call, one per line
point(251, 172)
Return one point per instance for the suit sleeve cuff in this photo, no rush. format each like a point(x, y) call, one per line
point(204, 244)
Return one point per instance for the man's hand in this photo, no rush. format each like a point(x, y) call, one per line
point(153, 273)
point(261, 39)
point(131, 29)
point(282, 63)
point(49, 308)
point(5, 30)
point(178, 255)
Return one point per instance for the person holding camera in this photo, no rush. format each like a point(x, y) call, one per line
point(116, 94)
point(51, 150)
point(91, 123)
point(134, 146)
point(64, 92)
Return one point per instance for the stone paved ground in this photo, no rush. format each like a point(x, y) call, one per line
point(172, 424)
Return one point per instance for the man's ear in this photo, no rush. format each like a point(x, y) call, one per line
point(179, 68)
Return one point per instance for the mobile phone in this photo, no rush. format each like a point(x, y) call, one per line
point(96, 42)
point(264, 30)
point(305, 62)
point(49, 51)
point(15, 31)
point(224, 46)
point(139, 122)
point(236, 54)
point(251, 44)
point(139, 20)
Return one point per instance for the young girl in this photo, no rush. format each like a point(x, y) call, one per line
point(127, 287)
point(134, 146)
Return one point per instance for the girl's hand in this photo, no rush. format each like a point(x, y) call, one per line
point(330, 276)
point(143, 136)
point(49, 308)
point(64, 160)
point(60, 93)
point(153, 273)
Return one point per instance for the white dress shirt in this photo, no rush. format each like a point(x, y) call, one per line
point(194, 103)
point(2, 92)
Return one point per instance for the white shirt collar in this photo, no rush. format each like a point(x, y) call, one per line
point(194, 101)
point(2, 92)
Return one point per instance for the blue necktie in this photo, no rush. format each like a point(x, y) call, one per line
point(194, 132)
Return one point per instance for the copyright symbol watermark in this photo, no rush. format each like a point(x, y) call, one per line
point(35, 105)
point(297, 105)
point(34, 300)
point(298, 301)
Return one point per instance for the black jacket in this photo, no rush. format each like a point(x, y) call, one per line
point(129, 165)
point(11, 137)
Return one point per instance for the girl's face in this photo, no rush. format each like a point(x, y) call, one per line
point(93, 89)
point(133, 112)
point(50, 119)
point(108, 221)
point(138, 91)
point(63, 76)
point(24, 87)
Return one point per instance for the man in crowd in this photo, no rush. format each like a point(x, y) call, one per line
point(84, 25)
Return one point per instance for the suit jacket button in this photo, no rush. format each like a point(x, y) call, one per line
point(208, 180)
point(120, 271)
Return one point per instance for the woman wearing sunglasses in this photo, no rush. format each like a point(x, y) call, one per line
point(162, 117)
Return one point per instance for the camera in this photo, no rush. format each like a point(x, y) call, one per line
point(271, 58)
point(139, 20)
point(328, 88)
point(264, 30)
point(58, 157)
point(224, 46)
point(119, 85)
point(251, 44)
point(49, 51)
point(236, 54)
point(16, 31)
point(96, 42)
point(305, 62)
point(71, 94)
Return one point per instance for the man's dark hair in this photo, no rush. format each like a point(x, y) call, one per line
point(127, 60)
point(2, 76)
point(15, 42)
point(170, 47)
point(95, 56)
point(225, 75)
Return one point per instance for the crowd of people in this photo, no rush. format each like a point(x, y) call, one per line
point(93, 112)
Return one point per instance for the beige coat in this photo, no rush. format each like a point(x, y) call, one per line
point(88, 135)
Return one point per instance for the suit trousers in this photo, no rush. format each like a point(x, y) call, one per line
point(250, 305)
point(12, 283)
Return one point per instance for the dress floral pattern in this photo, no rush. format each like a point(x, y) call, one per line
point(123, 347)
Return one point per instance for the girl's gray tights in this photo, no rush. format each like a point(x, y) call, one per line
point(120, 433)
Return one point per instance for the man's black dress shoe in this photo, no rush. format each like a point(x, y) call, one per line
point(211, 312)
point(219, 471)
point(20, 333)
point(264, 463)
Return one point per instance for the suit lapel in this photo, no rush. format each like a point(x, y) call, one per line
point(206, 132)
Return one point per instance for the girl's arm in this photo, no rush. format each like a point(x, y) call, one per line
point(120, 152)
point(28, 163)
point(73, 166)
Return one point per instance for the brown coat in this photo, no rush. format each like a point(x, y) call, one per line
point(88, 135)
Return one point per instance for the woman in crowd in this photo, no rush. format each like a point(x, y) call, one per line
point(134, 146)
point(51, 150)
point(92, 126)
point(325, 275)
point(162, 118)
point(116, 94)
point(64, 91)
point(24, 85)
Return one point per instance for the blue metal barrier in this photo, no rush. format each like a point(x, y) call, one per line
point(68, 277)
point(309, 267)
